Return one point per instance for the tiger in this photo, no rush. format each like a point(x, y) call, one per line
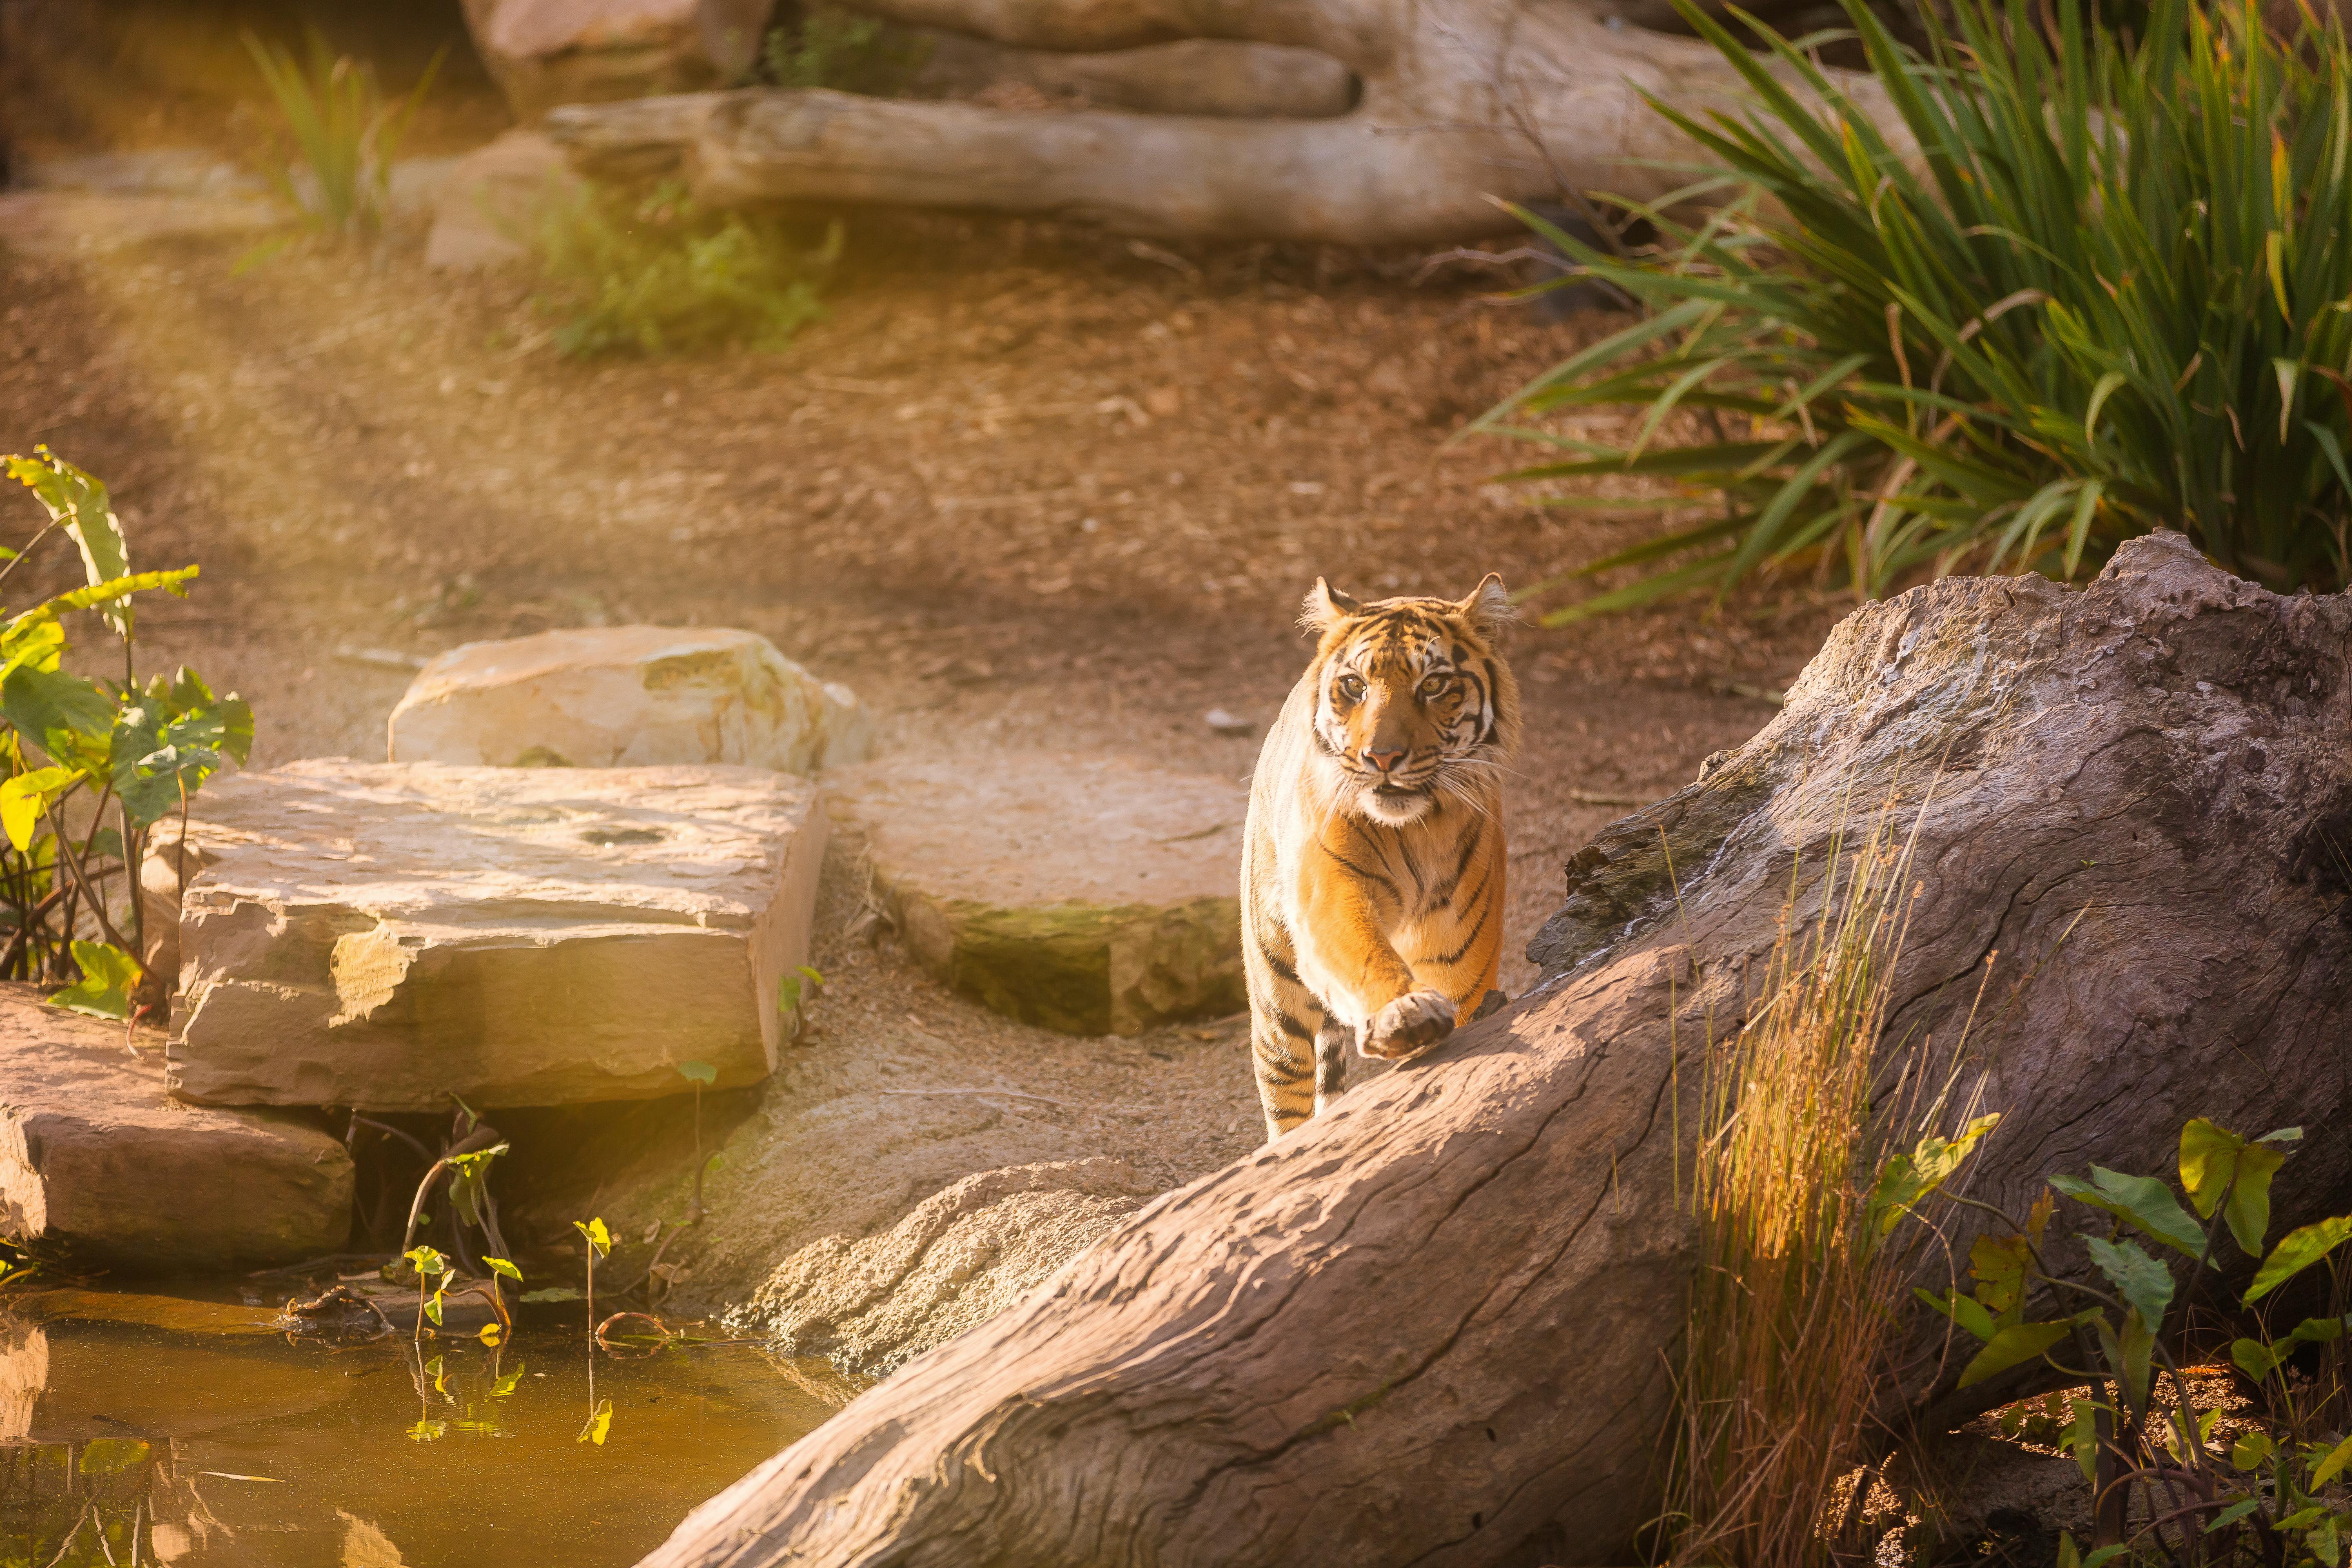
point(1372, 856)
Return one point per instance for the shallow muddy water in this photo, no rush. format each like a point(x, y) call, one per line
point(151, 1447)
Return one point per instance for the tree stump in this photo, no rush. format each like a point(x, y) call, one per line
point(1433, 1326)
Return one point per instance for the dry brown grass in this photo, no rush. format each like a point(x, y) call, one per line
point(1792, 1306)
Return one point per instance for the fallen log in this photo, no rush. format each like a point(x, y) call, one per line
point(1461, 100)
point(1432, 1325)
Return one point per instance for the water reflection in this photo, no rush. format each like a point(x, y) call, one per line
point(122, 1444)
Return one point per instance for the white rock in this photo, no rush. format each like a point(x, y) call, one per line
point(386, 935)
point(98, 1162)
point(621, 697)
point(489, 204)
point(546, 52)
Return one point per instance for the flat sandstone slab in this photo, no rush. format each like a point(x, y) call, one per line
point(385, 935)
point(97, 1159)
point(1088, 894)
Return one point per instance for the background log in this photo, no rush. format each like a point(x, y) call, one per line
point(1432, 1326)
point(1195, 76)
point(1461, 100)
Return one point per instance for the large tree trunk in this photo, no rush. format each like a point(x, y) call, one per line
point(1433, 1326)
point(1462, 100)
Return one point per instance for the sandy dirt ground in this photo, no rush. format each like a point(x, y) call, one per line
point(1025, 486)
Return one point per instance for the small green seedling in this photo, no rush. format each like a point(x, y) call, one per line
point(698, 1074)
point(500, 1267)
point(600, 1244)
point(430, 1265)
point(790, 991)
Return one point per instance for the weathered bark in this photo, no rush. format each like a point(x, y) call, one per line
point(1462, 100)
point(1197, 75)
point(1432, 1325)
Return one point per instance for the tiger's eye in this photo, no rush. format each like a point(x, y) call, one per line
point(1351, 690)
point(1435, 686)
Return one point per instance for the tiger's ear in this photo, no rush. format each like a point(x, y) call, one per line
point(1326, 607)
point(1488, 609)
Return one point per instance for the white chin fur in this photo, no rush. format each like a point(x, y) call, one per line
point(1394, 811)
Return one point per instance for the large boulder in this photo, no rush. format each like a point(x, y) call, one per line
point(385, 935)
point(873, 1303)
point(1088, 894)
point(98, 1162)
point(610, 697)
point(546, 52)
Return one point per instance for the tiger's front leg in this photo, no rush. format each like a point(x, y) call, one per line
point(1346, 959)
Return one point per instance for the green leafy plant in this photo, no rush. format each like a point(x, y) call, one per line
point(430, 1265)
point(2117, 1324)
point(501, 1269)
point(600, 1244)
point(90, 766)
point(656, 274)
point(845, 51)
point(344, 133)
point(2112, 291)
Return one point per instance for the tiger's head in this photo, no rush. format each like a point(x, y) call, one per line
point(1411, 702)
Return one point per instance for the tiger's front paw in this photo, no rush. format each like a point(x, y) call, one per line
point(1416, 1019)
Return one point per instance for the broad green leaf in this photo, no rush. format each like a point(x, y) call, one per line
point(600, 1424)
point(2208, 1158)
point(2082, 1438)
point(432, 1306)
point(25, 796)
point(1906, 1179)
point(68, 717)
point(2012, 1346)
point(2255, 1359)
point(112, 1456)
point(499, 1266)
point(2129, 1354)
point(2250, 1449)
point(429, 1261)
point(698, 1072)
point(109, 976)
point(1997, 1266)
point(2137, 1278)
point(2296, 1251)
point(2141, 1202)
point(2236, 1511)
point(1966, 1310)
point(598, 1237)
point(2248, 1210)
point(77, 502)
point(2328, 1469)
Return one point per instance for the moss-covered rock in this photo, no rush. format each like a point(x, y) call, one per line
point(1086, 894)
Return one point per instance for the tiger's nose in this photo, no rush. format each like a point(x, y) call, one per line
point(1382, 762)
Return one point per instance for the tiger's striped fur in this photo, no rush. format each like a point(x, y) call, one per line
point(1372, 863)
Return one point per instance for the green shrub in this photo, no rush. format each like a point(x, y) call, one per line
point(69, 909)
point(657, 274)
point(2111, 292)
point(345, 134)
point(845, 51)
point(2162, 1490)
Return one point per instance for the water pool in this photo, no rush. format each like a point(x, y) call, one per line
point(121, 1443)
